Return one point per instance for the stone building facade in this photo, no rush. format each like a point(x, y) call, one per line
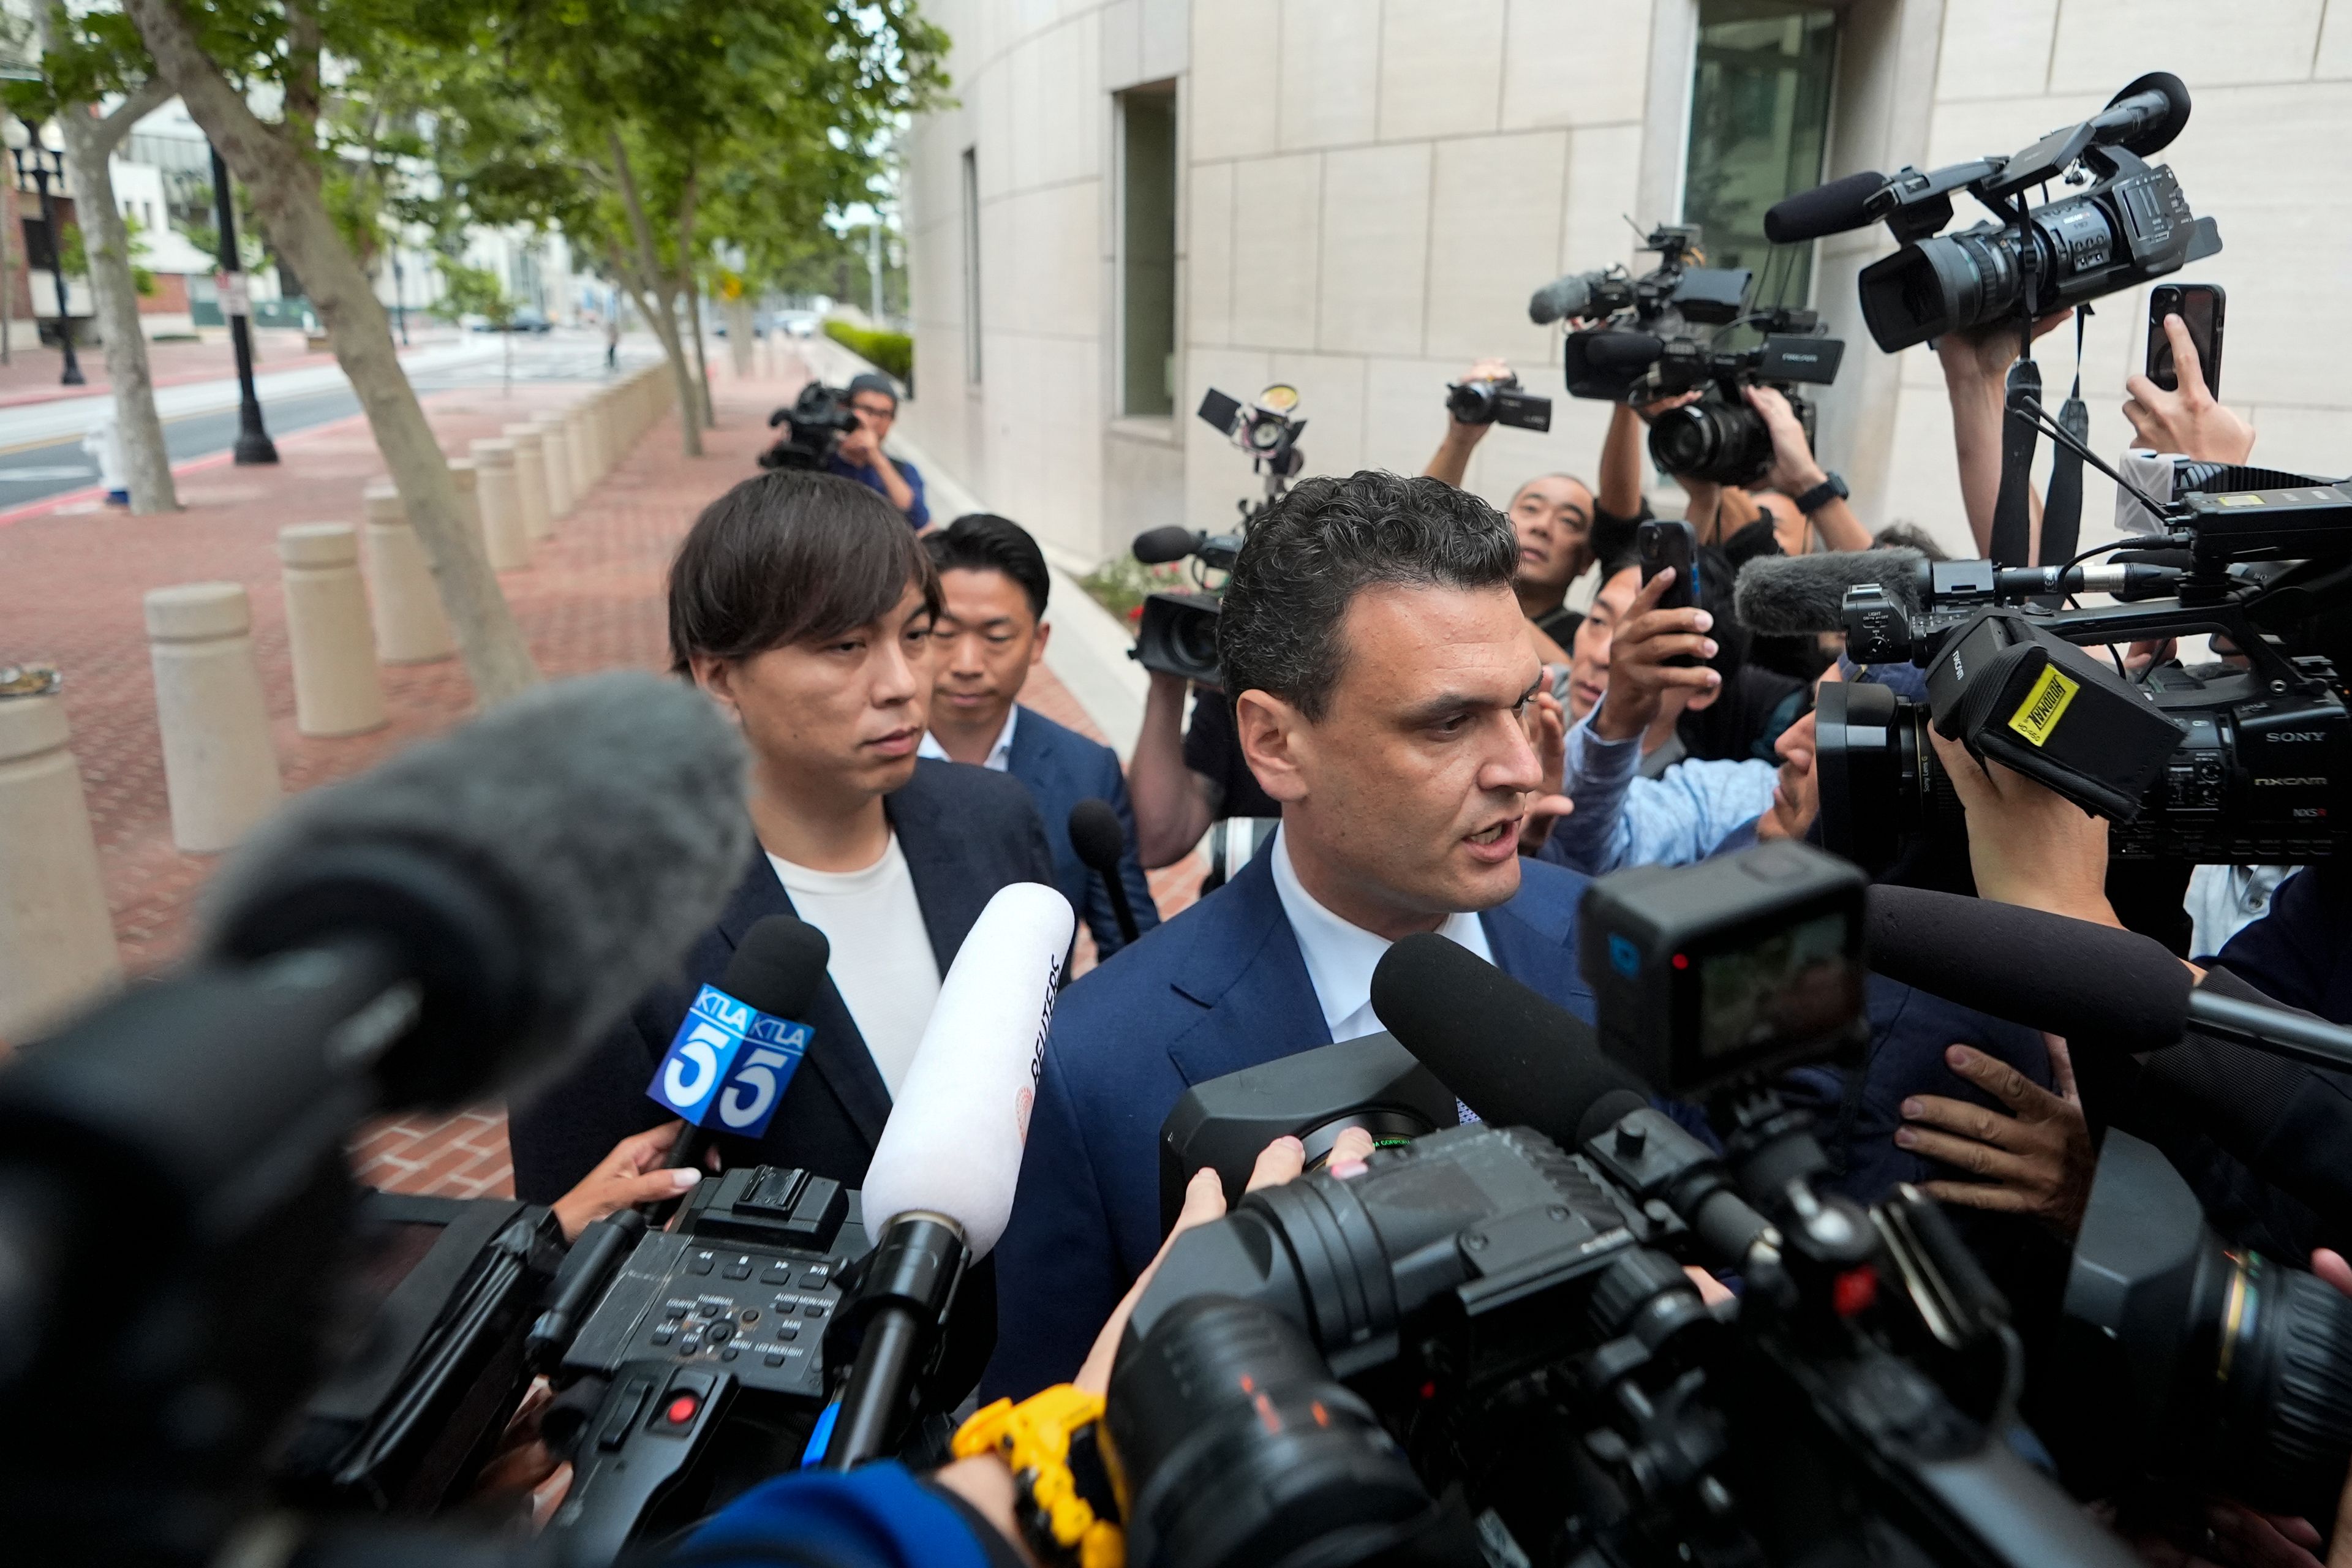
point(1135, 200)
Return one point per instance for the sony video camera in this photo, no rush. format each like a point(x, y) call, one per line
point(1486, 400)
point(2218, 765)
point(1664, 333)
point(814, 425)
point(2131, 224)
point(1483, 1347)
point(1179, 631)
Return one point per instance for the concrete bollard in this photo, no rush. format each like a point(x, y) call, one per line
point(336, 691)
point(581, 438)
point(503, 539)
point(219, 766)
point(410, 628)
point(469, 500)
point(531, 479)
point(56, 938)
point(555, 447)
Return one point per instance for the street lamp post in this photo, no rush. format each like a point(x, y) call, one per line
point(253, 442)
point(42, 160)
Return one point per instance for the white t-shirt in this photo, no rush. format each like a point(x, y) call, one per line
point(882, 962)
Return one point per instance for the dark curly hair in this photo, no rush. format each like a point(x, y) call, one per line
point(1327, 540)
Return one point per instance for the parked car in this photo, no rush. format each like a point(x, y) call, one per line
point(801, 323)
point(529, 321)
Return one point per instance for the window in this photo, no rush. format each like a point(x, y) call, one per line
point(971, 265)
point(1147, 260)
point(1759, 122)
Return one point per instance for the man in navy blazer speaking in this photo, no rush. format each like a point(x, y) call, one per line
point(1380, 670)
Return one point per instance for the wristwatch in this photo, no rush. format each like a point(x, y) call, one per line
point(1831, 487)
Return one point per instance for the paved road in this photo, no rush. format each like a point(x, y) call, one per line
point(294, 401)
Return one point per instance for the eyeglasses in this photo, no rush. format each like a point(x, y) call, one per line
point(888, 411)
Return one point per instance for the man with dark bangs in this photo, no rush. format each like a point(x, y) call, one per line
point(803, 604)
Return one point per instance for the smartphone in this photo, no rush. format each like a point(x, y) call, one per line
point(2201, 307)
point(1671, 544)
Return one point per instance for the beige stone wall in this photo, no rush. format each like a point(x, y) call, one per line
point(1370, 189)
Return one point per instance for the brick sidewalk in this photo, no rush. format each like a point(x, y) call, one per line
point(70, 587)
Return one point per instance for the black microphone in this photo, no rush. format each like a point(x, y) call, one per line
point(1509, 1053)
point(1158, 546)
point(530, 875)
point(1799, 594)
point(1101, 842)
point(1516, 1059)
point(778, 971)
point(1832, 208)
point(1562, 297)
point(449, 924)
point(2145, 116)
point(2072, 978)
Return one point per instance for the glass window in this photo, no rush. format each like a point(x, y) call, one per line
point(1148, 251)
point(1759, 122)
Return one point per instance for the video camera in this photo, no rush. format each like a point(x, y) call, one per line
point(1487, 1336)
point(2131, 224)
point(1645, 342)
point(2217, 766)
point(1179, 631)
point(814, 425)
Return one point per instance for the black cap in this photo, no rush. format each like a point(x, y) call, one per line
point(874, 381)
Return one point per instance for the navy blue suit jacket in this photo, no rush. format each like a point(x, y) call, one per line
point(965, 831)
point(1219, 988)
point(1061, 768)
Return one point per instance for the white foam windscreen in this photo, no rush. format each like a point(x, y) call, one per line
point(953, 1142)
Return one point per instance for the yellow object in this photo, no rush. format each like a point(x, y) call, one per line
point(1034, 1439)
point(2043, 706)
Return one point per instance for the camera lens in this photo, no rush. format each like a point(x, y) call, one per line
point(1722, 443)
point(1472, 402)
point(1233, 1444)
point(2217, 1367)
point(1880, 781)
point(1947, 284)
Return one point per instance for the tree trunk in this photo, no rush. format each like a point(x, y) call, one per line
point(702, 366)
point(663, 320)
point(107, 245)
point(284, 180)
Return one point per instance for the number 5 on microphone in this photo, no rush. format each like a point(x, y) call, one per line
point(728, 1059)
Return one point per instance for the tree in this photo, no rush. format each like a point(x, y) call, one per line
point(660, 105)
point(476, 291)
point(83, 61)
point(213, 53)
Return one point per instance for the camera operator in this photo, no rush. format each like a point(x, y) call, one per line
point(1551, 514)
point(860, 456)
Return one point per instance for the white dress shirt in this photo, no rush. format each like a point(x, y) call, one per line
point(999, 755)
point(1340, 957)
point(882, 962)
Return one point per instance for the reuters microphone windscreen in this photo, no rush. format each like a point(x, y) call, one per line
point(952, 1145)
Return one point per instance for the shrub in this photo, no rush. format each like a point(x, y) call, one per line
point(891, 353)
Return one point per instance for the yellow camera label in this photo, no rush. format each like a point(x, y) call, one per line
point(2043, 706)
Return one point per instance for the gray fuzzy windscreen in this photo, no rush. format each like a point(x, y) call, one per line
point(609, 809)
point(1793, 594)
